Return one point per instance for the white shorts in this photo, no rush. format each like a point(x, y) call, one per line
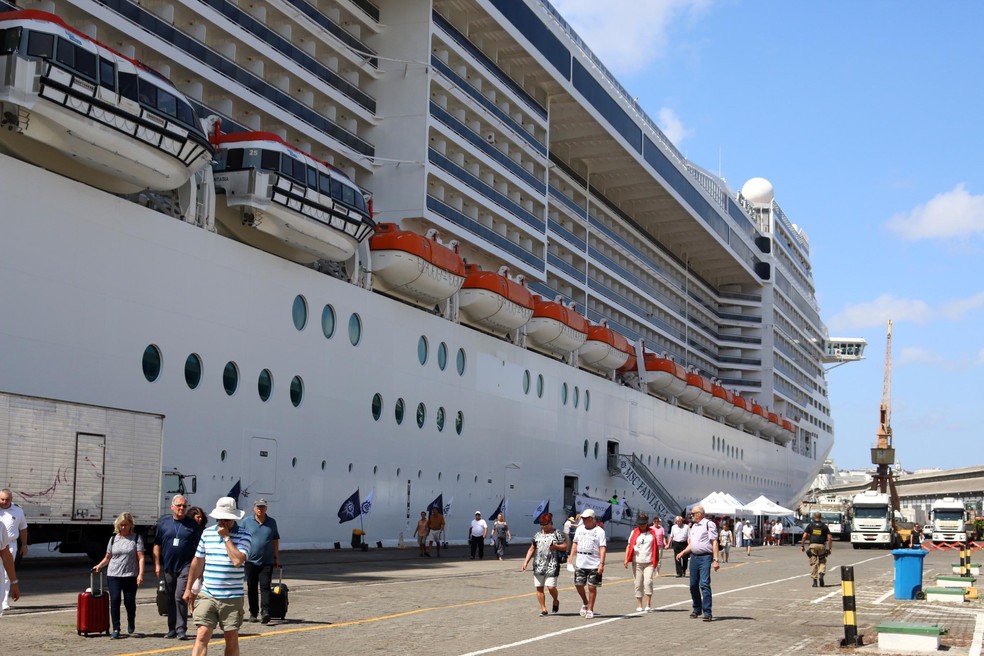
point(544, 581)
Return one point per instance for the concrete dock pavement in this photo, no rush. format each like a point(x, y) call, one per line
point(391, 601)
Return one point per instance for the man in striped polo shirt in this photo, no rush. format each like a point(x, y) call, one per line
point(219, 561)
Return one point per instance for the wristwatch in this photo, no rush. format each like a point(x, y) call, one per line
point(226, 539)
point(715, 560)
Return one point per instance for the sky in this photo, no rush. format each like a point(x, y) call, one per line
point(868, 119)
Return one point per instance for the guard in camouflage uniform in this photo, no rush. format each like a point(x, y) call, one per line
point(817, 535)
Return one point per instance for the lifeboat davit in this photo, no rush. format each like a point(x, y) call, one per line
point(555, 328)
point(722, 402)
point(698, 391)
point(76, 107)
point(742, 413)
point(774, 427)
point(759, 419)
point(788, 431)
point(664, 376)
point(415, 267)
point(284, 201)
point(493, 301)
point(604, 350)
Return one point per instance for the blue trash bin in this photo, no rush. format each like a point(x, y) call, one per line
point(908, 572)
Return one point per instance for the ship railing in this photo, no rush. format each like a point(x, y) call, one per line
point(642, 479)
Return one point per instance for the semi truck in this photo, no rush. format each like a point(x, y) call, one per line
point(833, 513)
point(73, 468)
point(873, 523)
point(949, 517)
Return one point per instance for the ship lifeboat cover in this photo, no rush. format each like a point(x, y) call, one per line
point(493, 301)
point(697, 392)
point(605, 349)
point(415, 266)
point(722, 402)
point(555, 327)
point(665, 376)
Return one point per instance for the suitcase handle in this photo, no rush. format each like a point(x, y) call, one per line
point(92, 584)
point(281, 574)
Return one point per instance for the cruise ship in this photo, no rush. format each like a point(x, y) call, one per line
point(414, 249)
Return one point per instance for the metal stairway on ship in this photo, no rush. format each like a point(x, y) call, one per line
point(643, 481)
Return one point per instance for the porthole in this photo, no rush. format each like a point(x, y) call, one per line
point(399, 411)
point(377, 406)
point(421, 415)
point(419, 473)
point(193, 370)
point(539, 386)
point(397, 471)
point(222, 455)
point(440, 420)
point(324, 463)
point(587, 399)
point(293, 462)
point(350, 467)
point(264, 385)
point(585, 448)
point(563, 394)
point(596, 451)
point(577, 396)
point(476, 479)
point(375, 469)
point(355, 329)
point(151, 363)
point(439, 475)
point(230, 378)
point(461, 362)
point(328, 321)
point(526, 381)
point(457, 478)
point(296, 391)
point(459, 422)
point(442, 356)
point(422, 350)
point(299, 312)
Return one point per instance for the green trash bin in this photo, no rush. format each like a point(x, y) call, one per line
point(908, 572)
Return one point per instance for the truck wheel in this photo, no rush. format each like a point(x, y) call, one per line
point(856, 546)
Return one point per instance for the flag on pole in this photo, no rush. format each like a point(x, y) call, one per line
point(236, 491)
point(350, 508)
point(498, 509)
point(437, 503)
point(447, 507)
point(607, 517)
point(541, 510)
point(367, 504)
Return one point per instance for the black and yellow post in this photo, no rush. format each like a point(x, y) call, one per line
point(964, 559)
point(851, 637)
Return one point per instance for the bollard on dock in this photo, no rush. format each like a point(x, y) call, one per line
point(851, 637)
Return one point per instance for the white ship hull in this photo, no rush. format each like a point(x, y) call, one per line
point(85, 291)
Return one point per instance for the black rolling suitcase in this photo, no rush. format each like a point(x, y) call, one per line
point(162, 599)
point(279, 598)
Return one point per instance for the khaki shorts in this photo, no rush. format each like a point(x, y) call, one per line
point(226, 614)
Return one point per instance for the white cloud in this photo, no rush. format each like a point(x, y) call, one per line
point(980, 358)
point(626, 34)
point(959, 308)
point(875, 313)
point(955, 213)
point(917, 355)
point(672, 126)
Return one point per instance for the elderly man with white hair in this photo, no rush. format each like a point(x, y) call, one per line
point(702, 547)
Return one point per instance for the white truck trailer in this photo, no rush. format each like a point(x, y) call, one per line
point(73, 468)
point(872, 524)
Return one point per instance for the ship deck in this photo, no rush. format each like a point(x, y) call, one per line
point(392, 601)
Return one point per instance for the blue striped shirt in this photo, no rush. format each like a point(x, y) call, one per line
point(222, 579)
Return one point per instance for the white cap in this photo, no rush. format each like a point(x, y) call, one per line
point(588, 513)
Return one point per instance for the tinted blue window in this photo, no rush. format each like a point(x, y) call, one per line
point(601, 100)
point(533, 29)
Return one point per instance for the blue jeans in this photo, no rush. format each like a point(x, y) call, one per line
point(125, 587)
point(700, 583)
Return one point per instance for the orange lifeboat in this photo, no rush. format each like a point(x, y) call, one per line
point(742, 414)
point(774, 427)
point(760, 418)
point(721, 403)
point(604, 350)
point(788, 431)
point(663, 376)
point(555, 328)
point(698, 391)
point(414, 267)
point(493, 301)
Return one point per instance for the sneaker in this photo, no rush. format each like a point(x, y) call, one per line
point(638, 609)
point(694, 616)
point(130, 628)
point(708, 618)
point(115, 636)
point(543, 613)
point(253, 618)
point(265, 619)
point(584, 611)
point(170, 635)
point(183, 636)
point(647, 609)
point(589, 615)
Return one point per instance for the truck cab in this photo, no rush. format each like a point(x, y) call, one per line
point(949, 520)
point(872, 524)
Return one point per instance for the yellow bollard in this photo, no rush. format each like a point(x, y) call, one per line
point(851, 637)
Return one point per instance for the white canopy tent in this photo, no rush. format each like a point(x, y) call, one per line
point(765, 506)
point(719, 503)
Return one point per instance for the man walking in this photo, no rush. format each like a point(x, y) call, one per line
point(219, 560)
point(174, 547)
point(8, 574)
point(679, 533)
point(435, 526)
point(476, 536)
point(13, 521)
point(264, 555)
point(702, 547)
point(589, 549)
point(817, 534)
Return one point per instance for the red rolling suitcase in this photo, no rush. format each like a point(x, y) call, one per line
point(93, 610)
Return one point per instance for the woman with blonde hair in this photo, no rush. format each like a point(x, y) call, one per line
point(124, 563)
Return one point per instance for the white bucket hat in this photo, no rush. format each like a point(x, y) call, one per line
point(225, 508)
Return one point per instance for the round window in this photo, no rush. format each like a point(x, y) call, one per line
point(264, 385)
point(328, 321)
point(151, 363)
point(193, 370)
point(377, 406)
point(299, 312)
point(355, 329)
point(230, 378)
point(296, 391)
point(399, 411)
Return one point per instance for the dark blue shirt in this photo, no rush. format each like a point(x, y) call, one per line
point(261, 551)
point(178, 539)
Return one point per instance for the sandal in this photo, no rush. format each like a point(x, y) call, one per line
point(556, 606)
point(543, 613)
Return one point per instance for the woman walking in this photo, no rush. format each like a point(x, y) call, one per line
point(124, 563)
point(501, 535)
point(643, 552)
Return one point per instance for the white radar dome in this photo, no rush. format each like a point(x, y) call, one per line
point(758, 191)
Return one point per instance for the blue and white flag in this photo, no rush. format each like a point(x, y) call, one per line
point(437, 503)
point(367, 504)
point(541, 510)
point(350, 508)
point(607, 516)
point(498, 509)
point(447, 507)
point(236, 491)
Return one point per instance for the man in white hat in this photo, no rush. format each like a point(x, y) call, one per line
point(589, 549)
point(219, 560)
point(476, 536)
